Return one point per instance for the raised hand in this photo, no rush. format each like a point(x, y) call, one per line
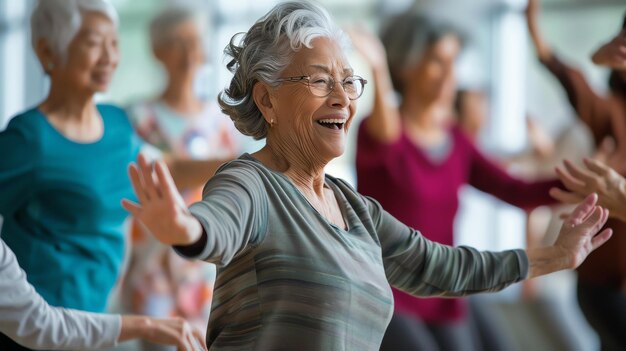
point(369, 46)
point(613, 53)
point(579, 234)
point(161, 208)
point(596, 178)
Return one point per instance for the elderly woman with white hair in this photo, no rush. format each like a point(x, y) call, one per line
point(304, 261)
point(62, 176)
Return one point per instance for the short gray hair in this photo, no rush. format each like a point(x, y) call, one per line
point(169, 18)
point(261, 55)
point(58, 21)
point(406, 37)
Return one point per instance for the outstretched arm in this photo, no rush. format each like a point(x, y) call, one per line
point(27, 319)
point(384, 122)
point(424, 268)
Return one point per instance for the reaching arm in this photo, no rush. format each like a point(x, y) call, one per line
point(421, 267)
point(544, 52)
point(384, 122)
point(27, 319)
point(224, 223)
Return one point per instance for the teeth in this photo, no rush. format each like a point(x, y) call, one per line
point(331, 121)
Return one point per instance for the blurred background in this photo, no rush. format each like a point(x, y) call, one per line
point(498, 61)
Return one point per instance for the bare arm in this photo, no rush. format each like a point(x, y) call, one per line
point(384, 122)
point(544, 52)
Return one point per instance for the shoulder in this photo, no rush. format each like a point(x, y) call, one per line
point(25, 129)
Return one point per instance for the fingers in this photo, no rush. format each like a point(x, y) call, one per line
point(200, 338)
point(136, 182)
point(565, 197)
point(166, 181)
point(601, 238)
point(578, 173)
point(596, 166)
point(570, 182)
point(147, 178)
point(133, 208)
point(582, 212)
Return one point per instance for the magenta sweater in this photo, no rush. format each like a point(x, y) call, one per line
point(424, 195)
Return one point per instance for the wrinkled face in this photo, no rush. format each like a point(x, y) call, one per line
point(92, 56)
point(315, 126)
point(434, 74)
point(181, 52)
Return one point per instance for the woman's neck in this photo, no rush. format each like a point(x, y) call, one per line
point(425, 121)
point(306, 175)
point(180, 97)
point(68, 105)
point(73, 114)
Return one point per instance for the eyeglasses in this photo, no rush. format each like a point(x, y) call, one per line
point(322, 85)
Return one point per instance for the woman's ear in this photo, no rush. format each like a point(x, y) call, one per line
point(46, 56)
point(263, 100)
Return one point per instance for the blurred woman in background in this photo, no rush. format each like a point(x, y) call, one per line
point(183, 126)
point(413, 160)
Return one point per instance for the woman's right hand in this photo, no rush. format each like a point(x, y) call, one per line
point(161, 208)
point(613, 53)
point(166, 331)
point(369, 46)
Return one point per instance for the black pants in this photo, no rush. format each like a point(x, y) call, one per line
point(6, 344)
point(480, 331)
point(605, 309)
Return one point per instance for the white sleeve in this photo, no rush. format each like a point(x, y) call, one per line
point(27, 319)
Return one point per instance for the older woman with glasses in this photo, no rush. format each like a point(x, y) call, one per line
point(304, 261)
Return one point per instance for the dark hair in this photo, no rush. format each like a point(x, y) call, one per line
point(407, 36)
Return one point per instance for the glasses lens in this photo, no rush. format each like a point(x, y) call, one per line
point(353, 87)
point(321, 84)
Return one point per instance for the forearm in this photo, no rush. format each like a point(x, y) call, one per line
point(134, 327)
point(547, 260)
point(544, 52)
point(384, 122)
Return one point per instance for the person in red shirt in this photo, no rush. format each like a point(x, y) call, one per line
point(413, 161)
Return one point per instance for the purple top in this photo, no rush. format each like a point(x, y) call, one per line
point(423, 194)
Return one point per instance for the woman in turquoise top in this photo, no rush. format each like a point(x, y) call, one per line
point(304, 261)
point(63, 165)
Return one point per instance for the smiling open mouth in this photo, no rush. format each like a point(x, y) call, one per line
point(332, 123)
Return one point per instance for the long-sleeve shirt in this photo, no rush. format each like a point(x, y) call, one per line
point(27, 319)
point(60, 201)
point(423, 193)
point(288, 279)
point(607, 264)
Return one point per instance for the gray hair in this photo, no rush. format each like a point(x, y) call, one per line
point(58, 21)
point(261, 55)
point(406, 37)
point(168, 19)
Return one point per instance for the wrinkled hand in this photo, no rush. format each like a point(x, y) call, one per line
point(579, 234)
point(165, 331)
point(161, 209)
point(613, 53)
point(369, 46)
point(596, 178)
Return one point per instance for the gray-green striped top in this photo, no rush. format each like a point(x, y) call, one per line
point(289, 280)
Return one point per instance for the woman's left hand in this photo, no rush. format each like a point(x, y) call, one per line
point(596, 178)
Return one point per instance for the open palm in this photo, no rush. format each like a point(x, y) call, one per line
point(161, 208)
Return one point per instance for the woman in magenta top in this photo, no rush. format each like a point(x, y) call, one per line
point(408, 153)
